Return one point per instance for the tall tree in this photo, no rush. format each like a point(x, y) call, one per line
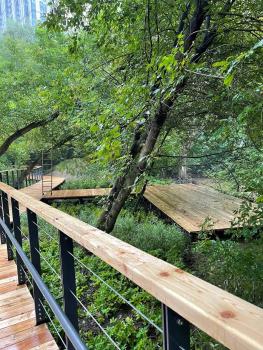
point(155, 55)
point(37, 88)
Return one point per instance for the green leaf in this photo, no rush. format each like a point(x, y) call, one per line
point(228, 80)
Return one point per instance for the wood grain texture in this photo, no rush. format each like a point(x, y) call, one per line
point(81, 193)
point(190, 205)
point(51, 345)
point(35, 191)
point(17, 315)
point(230, 320)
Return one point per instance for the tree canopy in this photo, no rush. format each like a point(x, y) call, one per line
point(144, 85)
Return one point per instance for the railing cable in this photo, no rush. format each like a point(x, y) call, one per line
point(50, 266)
point(50, 319)
point(118, 294)
point(41, 229)
point(23, 234)
point(95, 320)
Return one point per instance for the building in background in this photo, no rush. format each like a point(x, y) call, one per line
point(22, 11)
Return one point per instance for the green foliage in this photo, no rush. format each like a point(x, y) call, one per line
point(151, 235)
point(82, 173)
point(236, 267)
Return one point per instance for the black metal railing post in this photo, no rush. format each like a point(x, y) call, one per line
point(18, 237)
point(17, 180)
point(13, 178)
point(7, 177)
point(68, 282)
point(2, 233)
point(35, 259)
point(176, 330)
point(6, 217)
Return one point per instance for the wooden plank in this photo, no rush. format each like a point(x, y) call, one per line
point(17, 312)
point(15, 293)
point(51, 345)
point(230, 320)
point(9, 311)
point(16, 298)
point(18, 337)
point(9, 279)
point(190, 205)
point(8, 287)
point(81, 193)
point(35, 339)
point(18, 327)
point(17, 319)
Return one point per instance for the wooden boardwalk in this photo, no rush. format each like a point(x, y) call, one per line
point(230, 320)
point(17, 316)
point(82, 193)
point(35, 190)
point(191, 205)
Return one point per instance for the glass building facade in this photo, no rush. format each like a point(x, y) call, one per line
point(22, 11)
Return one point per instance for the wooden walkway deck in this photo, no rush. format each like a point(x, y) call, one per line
point(17, 315)
point(188, 205)
point(82, 193)
point(191, 205)
point(35, 190)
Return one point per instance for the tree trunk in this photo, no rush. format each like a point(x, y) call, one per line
point(140, 160)
point(125, 183)
point(21, 132)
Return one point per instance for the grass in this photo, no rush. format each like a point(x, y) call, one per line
point(82, 174)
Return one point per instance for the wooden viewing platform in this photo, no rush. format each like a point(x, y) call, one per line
point(35, 190)
point(18, 330)
point(191, 205)
point(188, 205)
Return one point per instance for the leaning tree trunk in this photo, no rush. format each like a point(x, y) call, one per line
point(125, 183)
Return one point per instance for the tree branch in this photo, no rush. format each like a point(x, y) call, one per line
point(21, 132)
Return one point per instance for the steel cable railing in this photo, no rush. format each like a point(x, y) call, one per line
point(118, 294)
point(171, 286)
point(70, 331)
point(96, 321)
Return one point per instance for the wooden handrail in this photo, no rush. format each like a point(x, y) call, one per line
point(18, 169)
point(12, 169)
point(230, 320)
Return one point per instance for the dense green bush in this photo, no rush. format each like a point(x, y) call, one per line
point(235, 267)
point(82, 174)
